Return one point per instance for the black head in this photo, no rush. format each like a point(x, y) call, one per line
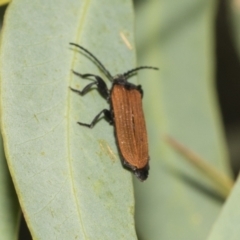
point(142, 173)
point(120, 79)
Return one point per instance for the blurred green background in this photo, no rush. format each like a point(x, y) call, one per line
point(227, 72)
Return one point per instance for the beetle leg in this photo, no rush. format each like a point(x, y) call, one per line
point(107, 115)
point(101, 85)
point(85, 90)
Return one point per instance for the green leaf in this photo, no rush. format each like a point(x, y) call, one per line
point(69, 179)
point(4, 2)
point(234, 15)
point(177, 201)
point(9, 207)
point(227, 224)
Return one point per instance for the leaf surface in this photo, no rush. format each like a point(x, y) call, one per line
point(227, 224)
point(177, 201)
point(69, 179)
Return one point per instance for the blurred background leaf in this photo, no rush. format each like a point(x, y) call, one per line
point(227, 224)
point(178, 202)
point(9, 207)
point(4, 2)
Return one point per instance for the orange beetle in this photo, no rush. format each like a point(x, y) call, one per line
point(126, 114)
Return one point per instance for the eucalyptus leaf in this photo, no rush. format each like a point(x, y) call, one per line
point(9, 206)
point(4, 2)
point(227, 224)
point(69, 179)
point(234, 15)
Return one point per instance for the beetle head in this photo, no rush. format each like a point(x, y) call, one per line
point(120, 79)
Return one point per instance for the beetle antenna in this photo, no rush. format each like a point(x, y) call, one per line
point(126, 74)
point(107, 73)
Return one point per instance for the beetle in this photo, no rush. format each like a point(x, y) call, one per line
point(125, 113)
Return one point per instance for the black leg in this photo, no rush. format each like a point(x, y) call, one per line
point(85, 90)
point(107, 115)
point(101, 85)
